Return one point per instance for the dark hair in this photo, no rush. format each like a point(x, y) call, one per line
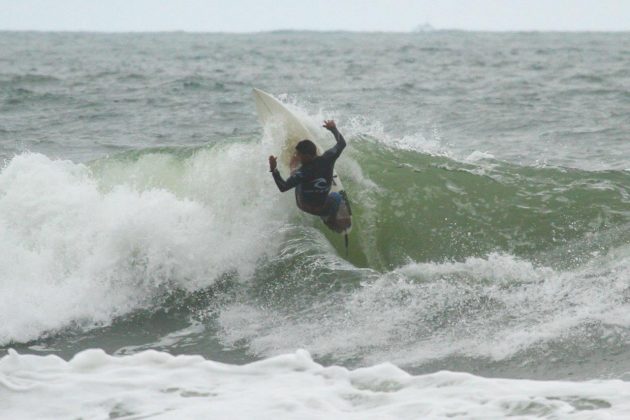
point(306, 147)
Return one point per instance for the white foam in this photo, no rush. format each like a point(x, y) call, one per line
point(158, 385)
point(477, 155)
point(179, 338)
point(490, 308)
point(357, 126)
point(78, 249)
point(416, 142)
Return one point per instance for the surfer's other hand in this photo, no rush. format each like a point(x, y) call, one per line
point(329, 125)
point(273, 163)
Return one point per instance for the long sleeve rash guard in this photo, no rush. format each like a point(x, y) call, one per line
point(312, 181)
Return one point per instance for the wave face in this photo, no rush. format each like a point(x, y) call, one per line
point(431, 208)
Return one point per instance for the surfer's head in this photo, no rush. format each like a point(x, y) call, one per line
point(306, 150)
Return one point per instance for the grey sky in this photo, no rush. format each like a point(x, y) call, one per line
point(355, 15)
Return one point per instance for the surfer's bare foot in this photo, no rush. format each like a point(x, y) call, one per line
point(329, 124)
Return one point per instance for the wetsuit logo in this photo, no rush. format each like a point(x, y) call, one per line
point(320, 184)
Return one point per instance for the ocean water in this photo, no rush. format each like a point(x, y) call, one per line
point(149, 268)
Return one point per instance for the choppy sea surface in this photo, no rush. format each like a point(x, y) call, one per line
point(149, 268)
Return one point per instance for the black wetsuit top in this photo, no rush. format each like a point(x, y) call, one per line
point(313, 180)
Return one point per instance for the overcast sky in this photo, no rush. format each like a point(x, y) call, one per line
point(354, 15)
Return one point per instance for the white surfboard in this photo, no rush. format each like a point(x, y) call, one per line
point(271, 111)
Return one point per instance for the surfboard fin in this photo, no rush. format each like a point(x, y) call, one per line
point(345, 198)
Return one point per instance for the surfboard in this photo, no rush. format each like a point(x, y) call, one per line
point(271, 111)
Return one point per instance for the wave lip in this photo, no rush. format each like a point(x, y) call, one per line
point(95, 385)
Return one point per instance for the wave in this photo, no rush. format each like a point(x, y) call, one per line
point(434, 208)
point(451, 261)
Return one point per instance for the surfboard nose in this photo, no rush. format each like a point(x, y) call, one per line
point(259, 92)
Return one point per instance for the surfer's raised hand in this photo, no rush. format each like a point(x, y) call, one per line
point(329, 125)
point(273, 163)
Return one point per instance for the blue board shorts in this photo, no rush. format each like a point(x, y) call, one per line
point(331, 206)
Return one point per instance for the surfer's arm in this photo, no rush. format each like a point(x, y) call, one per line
point(291, 182)
point(336, 150)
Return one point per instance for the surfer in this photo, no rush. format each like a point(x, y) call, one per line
point(314, 178)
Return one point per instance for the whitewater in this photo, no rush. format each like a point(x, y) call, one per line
point(149, 268)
